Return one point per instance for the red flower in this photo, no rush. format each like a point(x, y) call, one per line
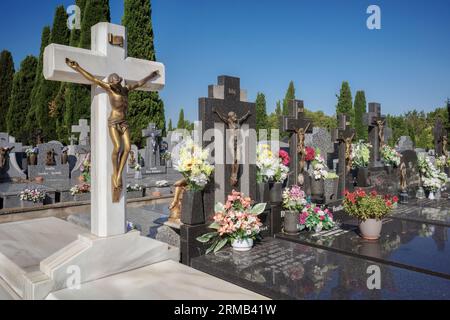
point(373, 193)
point(395, 199)
point(284, 157)
point(310, 154)
point(388, 203)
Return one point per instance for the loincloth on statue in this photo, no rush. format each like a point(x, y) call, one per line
point(119, 124)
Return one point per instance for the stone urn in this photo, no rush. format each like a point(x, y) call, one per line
point(262, 192)
point(291, 222)
point(192, 211)
point(32, 159)
point(317, 190)
point(242, 244)
point(370, 229)
point(276, 192)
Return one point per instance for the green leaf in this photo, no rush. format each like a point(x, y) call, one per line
point(210, 249)
point(219, 207)
point(221, 244)
point(258, 208)
point(206, 237)
point(214, 225)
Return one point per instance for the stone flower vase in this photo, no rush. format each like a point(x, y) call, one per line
point(291, 222)
point(242, 244)
point(192, 211)
point(276, 192)
point(317, 190)
point(370, 229)
point(262, 192)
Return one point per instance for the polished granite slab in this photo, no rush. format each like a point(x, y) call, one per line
point(428, 211)
point(408, 244)
point(167, 280)
point(282, 269)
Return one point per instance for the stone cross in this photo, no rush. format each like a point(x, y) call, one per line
point(72, 140)
point(11, 169)
point(291, 123)
point(370, 119)
point(222, 99)
point(341, 134)
point(104, 58)
point(152, 156)
point(439, 135)
point(83, 129)
point(152, 134)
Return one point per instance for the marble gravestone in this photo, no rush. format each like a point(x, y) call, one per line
point(291, 123)
point(404, 143)
point(49, 164)
point(320, 138)
point(50, 246)
point(10, 169)
point(152, 156)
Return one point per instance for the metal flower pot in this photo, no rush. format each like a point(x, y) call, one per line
point(291, 222)
point(192, 211)
point(276, 192)
point(317, 190)
point(262, 192)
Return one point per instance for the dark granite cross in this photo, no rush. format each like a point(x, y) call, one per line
point(371, 119)
point(344, 134)
point(292, 123)
point(440, 134)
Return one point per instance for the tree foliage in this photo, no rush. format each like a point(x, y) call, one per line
point(262, 121)
point(6, 84)
point(360, 108)
point(345, 104)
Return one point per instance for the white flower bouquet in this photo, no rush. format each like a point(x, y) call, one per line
point(390, 156)
point(319, 167)
point(134, 187)
point(80, 188)
point(270, 167)
point(360, 154)
point(33, 195)
point(192, 162)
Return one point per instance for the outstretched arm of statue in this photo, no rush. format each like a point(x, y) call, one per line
point(220, 116)
point(142, 82)
point(75, 66)
point(245, 117)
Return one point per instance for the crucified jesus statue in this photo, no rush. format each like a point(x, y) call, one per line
point(117, 123)
point(301, 146)
point(380, 124)
point(234, 124)
point(348, 152)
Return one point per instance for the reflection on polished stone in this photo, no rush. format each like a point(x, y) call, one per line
point(286, 270)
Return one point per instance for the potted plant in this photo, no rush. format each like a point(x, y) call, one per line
point(192, 162)
point(433, 179)
point(134, 191)
point(271, 173)
point(81, 192)
point(317, 218)
point(32, 156)
point(369, 209)
point(390, 157)
point(293, 202)
point(32, 197)
point(85, 169)
point(360, 163)
point(235, 222)
point(319, 174)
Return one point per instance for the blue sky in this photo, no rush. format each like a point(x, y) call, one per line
point(315, 43)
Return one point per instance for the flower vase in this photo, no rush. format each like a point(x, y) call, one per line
point(275, 192)
point(420, 194)
point(138, 174)
point(262, 192)
point(192, 211)
point(242, 244)
point(317, 190)
point(291, 222)
point(370, 229)
point(431, 195)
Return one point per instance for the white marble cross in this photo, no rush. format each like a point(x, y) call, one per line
point(83, 129)
point(107, 218)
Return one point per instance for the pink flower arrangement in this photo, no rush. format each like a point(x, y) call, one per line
point(310, 154)
point(236, 219)
point(313, 217)
point(294, 198)
point(284, 156)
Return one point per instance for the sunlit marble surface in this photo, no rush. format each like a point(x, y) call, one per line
point(166, 280)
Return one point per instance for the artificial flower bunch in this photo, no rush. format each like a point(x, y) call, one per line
point(360, 154)
point(30, 151)
point(433, 179)
point(133, 187)
point(317, 218)
point(310, 154)
point(192, 162)
point(137, 167)
point(237, 219)
point(442, 162)
point(85, 168)
point(294, 198)
point(319, 167)
point(34, 195)
point(390, 156)
point(271, 167)
point(371, 205)
point(80, 188)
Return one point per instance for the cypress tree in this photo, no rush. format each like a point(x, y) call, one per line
point(360, 109)
point(76, 97)
point(46, 107)
point(170, 127)
point(345, 104)
point(144, 107)
point(20, 98)
point(30, 122)
point(6, 84)
point(290, 94)
point(181, 124)
point(261, 113)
